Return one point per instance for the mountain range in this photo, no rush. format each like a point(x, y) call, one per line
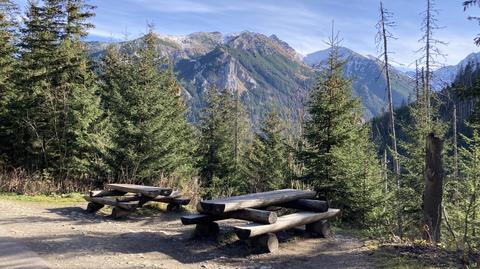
point(268, 73)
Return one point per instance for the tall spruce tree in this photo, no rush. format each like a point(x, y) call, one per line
point(224, 134)
point(338, 160)
point(8, 65)
point(151, 137)
point(61, 108)
point(267, 162)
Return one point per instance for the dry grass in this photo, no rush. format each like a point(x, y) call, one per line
point(20, 181)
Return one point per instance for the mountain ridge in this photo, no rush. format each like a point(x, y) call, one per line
point(266, 71)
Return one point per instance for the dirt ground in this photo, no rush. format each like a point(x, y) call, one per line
point(65, 237)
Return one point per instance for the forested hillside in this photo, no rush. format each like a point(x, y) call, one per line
point(266, 71)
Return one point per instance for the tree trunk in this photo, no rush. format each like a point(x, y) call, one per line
point(432, 196)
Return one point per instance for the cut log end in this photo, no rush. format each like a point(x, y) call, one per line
point(321, 228)
point(265, 243)
point(272, 217)
point(205, 230)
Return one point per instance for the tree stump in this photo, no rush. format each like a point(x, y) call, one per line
point(322, 228)
point(265, 243)
point(205, 230)
point(93, 207)
point(118, 213)
point(432, 195)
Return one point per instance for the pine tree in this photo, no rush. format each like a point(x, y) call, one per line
point(224, 132)
point(338, 159)
point(79, 114)
point(8, 65)
point(151, 137)
point(463, 204)
point(39, 45)
point(59, 108)
point(268, 166)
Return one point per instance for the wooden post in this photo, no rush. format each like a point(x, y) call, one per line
point(204, 230)
point(93, 207)
point(265, 242)
point(322, 228)
point(432, 196)
point(118, 213)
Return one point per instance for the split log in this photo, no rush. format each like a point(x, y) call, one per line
point(307, 205)
point(283, 223)
point(265, 242)
point(93, 207)
point(118, 212)
point(112, 202)
point(149, 191)
point(102, 193)
point(200, 218)
point(254, 200)
point(260, 216)
point(130, 198)
point(169, 200)
point(321, 228)
point(204, 230)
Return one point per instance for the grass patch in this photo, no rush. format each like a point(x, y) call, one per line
point(415, 255)
point(395, 261)
point(57, 199)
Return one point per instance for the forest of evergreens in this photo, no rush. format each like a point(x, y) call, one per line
point(70, 124)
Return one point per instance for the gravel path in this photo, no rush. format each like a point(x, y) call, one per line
point(65, 237)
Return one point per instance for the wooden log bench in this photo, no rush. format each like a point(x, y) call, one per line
point(126, 198)
point(259, 208)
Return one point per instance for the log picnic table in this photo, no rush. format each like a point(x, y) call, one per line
point(259, 208)
point(126, 198)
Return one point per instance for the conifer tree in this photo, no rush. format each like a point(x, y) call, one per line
point(221, 152)
point(38, 47)
point(76, 88)
point(268, 166)
point(468, 191)
point(151, 137)
point(8, 65)
point(338, 160)
point(61, 107)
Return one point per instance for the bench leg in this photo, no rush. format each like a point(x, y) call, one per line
point(143, 200)
point(173, 207)
point(203, 230)
point(93, 207)
point(321, 228)
point(118, 212)
point(265, 242)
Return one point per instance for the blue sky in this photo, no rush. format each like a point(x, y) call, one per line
point(304, 24)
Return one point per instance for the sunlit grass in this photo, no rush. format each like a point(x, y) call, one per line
point(64, 198)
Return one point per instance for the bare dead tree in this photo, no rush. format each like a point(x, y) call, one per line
point(430, 51)
point(417, 80)
point(384, 34)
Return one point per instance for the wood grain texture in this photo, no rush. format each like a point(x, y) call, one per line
point(254, 200)
point(283, 223)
